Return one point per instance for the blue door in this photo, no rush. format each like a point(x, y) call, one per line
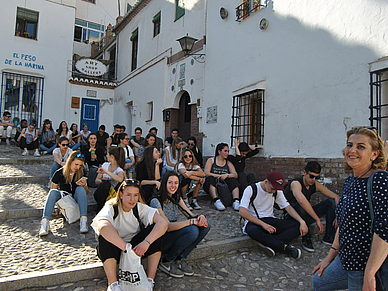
point(90, 111)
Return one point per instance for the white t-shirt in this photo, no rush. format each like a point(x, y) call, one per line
point(263, 202)
point(128, 152)
point(105, 166)
point(125, 223)
point(182, 166)
point(172, 160)
point(85, 135)
point(57, 152)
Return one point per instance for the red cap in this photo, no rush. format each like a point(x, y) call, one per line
point(276, 179)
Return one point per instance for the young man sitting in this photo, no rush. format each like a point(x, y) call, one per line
point(271, 233)
point(298, 192)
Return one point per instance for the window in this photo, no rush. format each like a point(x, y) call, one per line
point(179, 9)
point(129, 7)
point(248, 117)
point(88, 32)
point(134, 39)
point(112, 64)
point(247, 7)
point(379, 101)
point(91, 1)
point(156, 21)
point(150, 109)
point(26, 23)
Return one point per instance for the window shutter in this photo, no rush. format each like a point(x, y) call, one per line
point(134, 35)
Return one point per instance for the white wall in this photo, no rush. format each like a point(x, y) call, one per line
point(52, 49)
point(314, 59)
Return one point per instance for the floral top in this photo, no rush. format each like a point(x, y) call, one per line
point(353, 215)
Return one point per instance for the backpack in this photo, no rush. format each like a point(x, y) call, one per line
point(135, 212)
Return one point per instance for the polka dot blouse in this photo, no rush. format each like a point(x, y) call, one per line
point(354, 220)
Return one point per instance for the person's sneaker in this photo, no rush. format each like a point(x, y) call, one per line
point(171, 268)
point(187, 204)
point(44, 227)
point(36, 154)
point(49, 184)
point(44, 153)
point(25, 153)
point(307, 244)
point(151, 284)
point(7, 142)
point(266, 250)
point(236, 205)
point(293, 252)
point(327, 240)
point(195, 204)
point(218, 205)
point(83, 224)
point(185, 268)
point(115, 286)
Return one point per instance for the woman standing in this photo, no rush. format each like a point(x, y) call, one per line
point(67, 179)
point(220, 168)
point(362, 248)
point(192, 173)
point(109, 175)
point(148, 172)
point(48, 138)
point(173, 154)
point(123, 232)
point(182, 236)
point(149, 141)
point(129, 158)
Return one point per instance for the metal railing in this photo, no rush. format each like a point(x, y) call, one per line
point(379, 102)
point(248, 7)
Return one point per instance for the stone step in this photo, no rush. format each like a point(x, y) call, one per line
point(92, 271)
point(27, 160)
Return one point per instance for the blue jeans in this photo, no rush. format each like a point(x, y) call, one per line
point(54, 168)
point(54, 195)
point(326, 207)
point(131, 169)
point(48, 150)
point(181, 242)
point(165, 169)
point(75, 146)
point(334, 277)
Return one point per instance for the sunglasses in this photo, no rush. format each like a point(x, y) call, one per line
point(191, 144)
point(188, 156)
point(314, 177)
point(131, 182)
point(80, 156)
point(65, 144)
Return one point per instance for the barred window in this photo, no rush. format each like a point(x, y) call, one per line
point(379, 101)
point(248, 117)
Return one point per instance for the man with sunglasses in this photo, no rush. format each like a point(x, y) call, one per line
point(298, 193)
point(6, 127)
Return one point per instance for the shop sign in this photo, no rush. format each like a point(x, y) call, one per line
point(91, 67)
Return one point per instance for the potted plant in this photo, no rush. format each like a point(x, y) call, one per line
point(17, 33)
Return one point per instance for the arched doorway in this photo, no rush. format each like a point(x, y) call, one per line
point(184, 116)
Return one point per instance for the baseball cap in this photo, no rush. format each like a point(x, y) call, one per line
point(276, 179)
point(313, 166)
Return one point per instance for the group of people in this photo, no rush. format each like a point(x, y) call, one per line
point(163, 187)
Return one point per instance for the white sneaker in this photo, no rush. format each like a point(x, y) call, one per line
point(219, 206)
point(44, 227)
point(36, 154)
point(195, 204)
point(151, 284)
point(25, 153)
point(187, 204)
point(115, 286)
point(49, 184)
point(236, 205)
point(44, 153)
point(83, 224)
point(7, 142)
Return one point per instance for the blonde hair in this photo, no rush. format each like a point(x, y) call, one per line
point(377, 144)
point(67, 167)
point(126, 183)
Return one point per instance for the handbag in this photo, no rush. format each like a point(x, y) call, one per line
point(131, 273)
point(223, 192)
point(382, 274)
point(68, 207)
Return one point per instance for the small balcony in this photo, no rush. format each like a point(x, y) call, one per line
point(248, 7)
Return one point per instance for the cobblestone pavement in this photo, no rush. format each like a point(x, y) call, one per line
point(238, 270)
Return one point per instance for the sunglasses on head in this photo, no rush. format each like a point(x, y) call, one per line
point(80, 156)
point(131, 182)
point(65, 144)
point(187, 156)
point(314, 177)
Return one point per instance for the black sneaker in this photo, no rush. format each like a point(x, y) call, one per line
point(327, 240)
point(307, 244)
point(293, 252)
point(266, 250)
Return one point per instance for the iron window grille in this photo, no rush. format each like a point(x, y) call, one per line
point(247, 7)
point(379, 102)
point(248, 117)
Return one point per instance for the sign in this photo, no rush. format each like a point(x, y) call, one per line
point(91, 67)
point(91, 93)
point(24, 60)
point(75, 102)
point(211, 116)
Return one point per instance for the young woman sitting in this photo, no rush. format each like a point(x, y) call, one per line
point(28, 140)
point(182, 236)
point(191, 174)
point(48, 143)
point(94, 157)
point(129, 158)
point(220, 168)
point(84, 134)
point(121, 233)
point(75, 141)
point(67, 179)
point(63, 130)
point(109, 175)
point(148, 172)
point(173, 155)
point(192, 144)
point(148, 141)
point(60, 155)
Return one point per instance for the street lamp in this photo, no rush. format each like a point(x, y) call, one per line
point(187, 44)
